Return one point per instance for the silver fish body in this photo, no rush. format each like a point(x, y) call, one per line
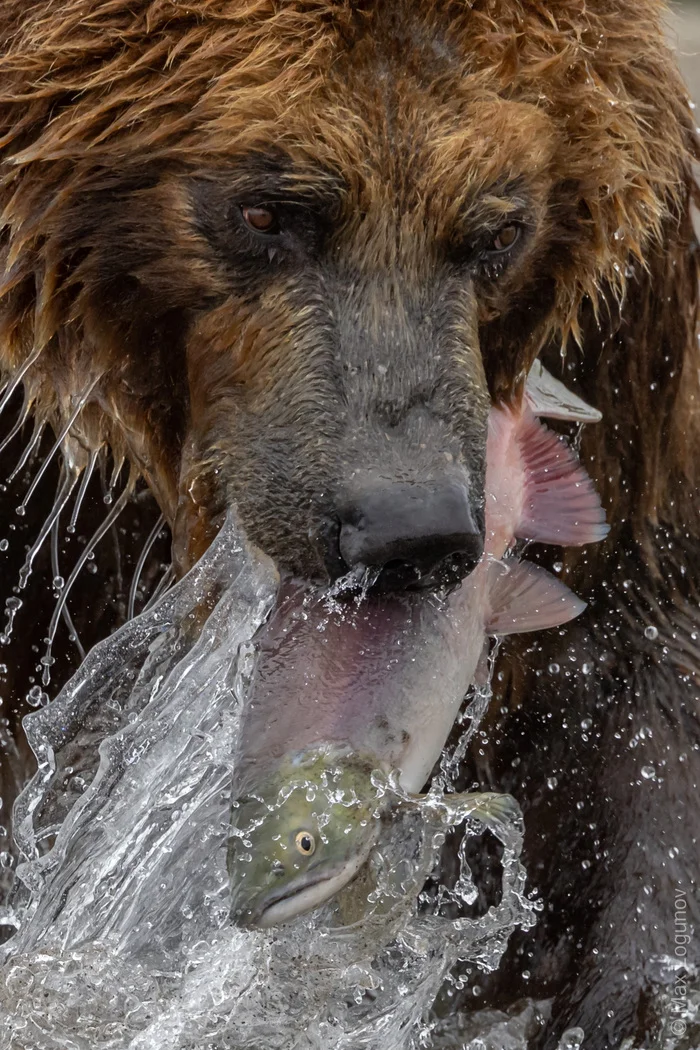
point(321, 677)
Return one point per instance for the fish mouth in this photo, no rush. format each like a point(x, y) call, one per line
point(304, 894)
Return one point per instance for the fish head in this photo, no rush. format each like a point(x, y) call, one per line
point(301, 837)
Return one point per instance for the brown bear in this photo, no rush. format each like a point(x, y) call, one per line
point(283, 254)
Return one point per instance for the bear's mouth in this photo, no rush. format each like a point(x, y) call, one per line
point(397, 577)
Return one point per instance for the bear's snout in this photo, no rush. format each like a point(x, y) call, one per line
point(418, 532)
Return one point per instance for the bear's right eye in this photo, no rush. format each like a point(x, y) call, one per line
point(261, 218)
point(506, 238)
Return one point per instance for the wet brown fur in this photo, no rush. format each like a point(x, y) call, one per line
point(414, 124)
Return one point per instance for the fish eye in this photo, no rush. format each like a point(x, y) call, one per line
point(305, 843)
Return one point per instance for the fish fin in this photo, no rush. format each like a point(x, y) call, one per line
point(549, 397)
point(488, 806)
point(560, 504)
point(524, 597)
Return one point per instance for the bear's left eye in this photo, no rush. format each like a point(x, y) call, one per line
point(505, 239)
point(261, 218)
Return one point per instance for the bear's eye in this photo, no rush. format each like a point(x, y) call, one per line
point(260, 218)
point(506, 238)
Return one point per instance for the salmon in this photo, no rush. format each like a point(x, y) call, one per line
point(342, 689)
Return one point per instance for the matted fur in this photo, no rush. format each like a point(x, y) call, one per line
point(92, 92)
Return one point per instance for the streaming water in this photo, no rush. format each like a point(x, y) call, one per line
point(29, 450)
point(121, 903)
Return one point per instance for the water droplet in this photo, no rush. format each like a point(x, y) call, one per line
point(107, 498)
point(4, 544)
point(21, 510)
point(552, 782)
point(652, 633)
point(571, 1039)
point(58, 583)
point(36, 697)
point(586, 668)
point(586, 724)
point(12, 605)
point(5, 860)
point(648, 772)
point(553, 668)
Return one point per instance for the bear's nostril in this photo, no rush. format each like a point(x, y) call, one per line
point(411, 530)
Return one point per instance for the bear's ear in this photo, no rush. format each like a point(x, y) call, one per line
point(638, 362)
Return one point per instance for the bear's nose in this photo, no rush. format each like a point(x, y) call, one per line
point(411, 529)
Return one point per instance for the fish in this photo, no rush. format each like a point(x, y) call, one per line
point(342, 692)
point(305, 836)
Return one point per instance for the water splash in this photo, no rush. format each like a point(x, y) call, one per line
point(98, 534)
point(47, 660)
point(470, 717)
point(493, 1029)
point(152, 537)
point(18, 376)
point(109, 486)
point(62, 435)
point(19, 423)
point(166, 580)
point(122, 895)
point(65, 490)
point(87, 475)
point(29, 450)
point(12, 607)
